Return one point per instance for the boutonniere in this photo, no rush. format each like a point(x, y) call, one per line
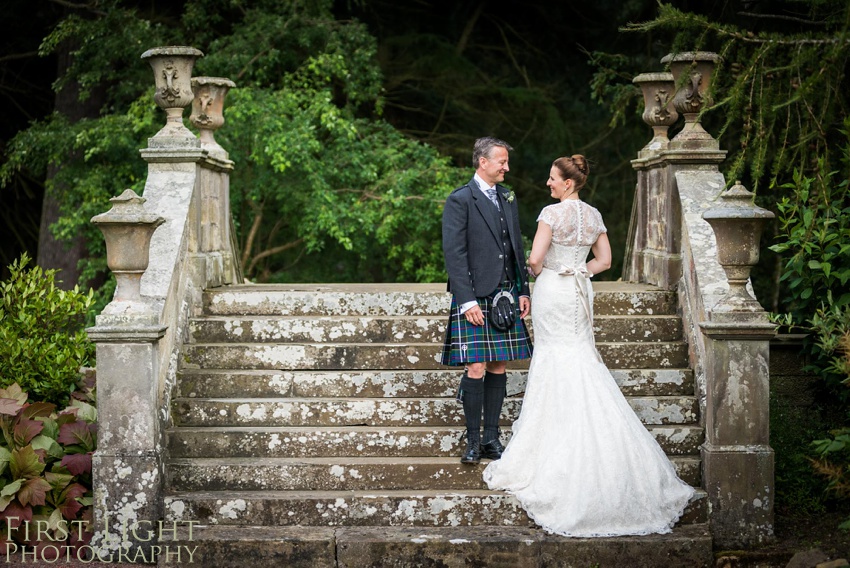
point(509, 196)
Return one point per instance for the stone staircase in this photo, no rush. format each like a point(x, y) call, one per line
point(314, 427)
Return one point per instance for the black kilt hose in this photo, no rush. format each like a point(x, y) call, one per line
point(467, 343)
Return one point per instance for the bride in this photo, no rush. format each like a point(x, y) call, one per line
point(580, 461)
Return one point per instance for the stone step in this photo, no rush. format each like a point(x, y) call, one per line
point(385, 412)
point(611, 298)
point(218, 383)
point(312, 442)
point(396, 329)
point(687, 546)
point(344, 474)
point(662, 355)
point(365, 508)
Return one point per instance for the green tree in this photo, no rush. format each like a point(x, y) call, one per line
point(318, 170)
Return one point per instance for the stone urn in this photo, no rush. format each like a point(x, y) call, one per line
point(208, 107)
point(738, 224)
point(692, 71)
point(127, 228)
point(172, 70)
point(658, 90)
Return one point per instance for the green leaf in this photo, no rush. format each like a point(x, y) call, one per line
point(5, 456)
point(58, 481)
point(49, 445)
point(85, 410)
point(10, 489)
point(24, 463)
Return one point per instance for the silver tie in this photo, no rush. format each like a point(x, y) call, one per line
point(491, 193)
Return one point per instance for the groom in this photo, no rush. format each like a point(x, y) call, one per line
point(483, 250)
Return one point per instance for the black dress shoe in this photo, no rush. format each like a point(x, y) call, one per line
point(492, 450)
point(472, 455)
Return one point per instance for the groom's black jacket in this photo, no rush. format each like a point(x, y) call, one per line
point(472, 244)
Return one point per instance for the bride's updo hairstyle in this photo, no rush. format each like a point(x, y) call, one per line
point(574, 167)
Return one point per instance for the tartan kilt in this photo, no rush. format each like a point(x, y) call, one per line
point(467, 343)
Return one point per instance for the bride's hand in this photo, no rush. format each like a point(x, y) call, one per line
point(524, 306)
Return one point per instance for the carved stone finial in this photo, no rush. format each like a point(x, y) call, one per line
point(127, 228)
point(172, 70)
point(738, 224)
point(208, 107)
point(692, 72)
point(659, 113)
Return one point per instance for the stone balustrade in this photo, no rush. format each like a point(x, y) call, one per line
point(672, 245)
point(139, 335)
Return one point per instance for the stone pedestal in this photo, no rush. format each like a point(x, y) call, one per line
point(737, 457)
point(126, 468)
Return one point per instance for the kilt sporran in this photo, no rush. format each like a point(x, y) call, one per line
point(467, 343)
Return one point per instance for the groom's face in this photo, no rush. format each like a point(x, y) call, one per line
point(493, 169)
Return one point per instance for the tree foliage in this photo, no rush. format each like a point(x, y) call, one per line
point(317, 168)
point(42, 343)
point(780, 91)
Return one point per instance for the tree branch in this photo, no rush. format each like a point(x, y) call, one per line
point(252, 234)
point(76, 6)
point(467, 31)
point(18, 56)
point(519, 69)
point(271, 251)
point(781, 17)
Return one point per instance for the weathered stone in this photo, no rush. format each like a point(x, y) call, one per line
point(385, 412)
point(284, 417)
point(807, 559)
point(398, 441)
point(332, 474)
point(840, 563)
point(460, 547)
point(611, 298)
point(688, 546)
point(225, 547)
point(457, 547)
point(394, 356)
point(515, 547)
point(365, 508)
point(392, 329)
point(218, 383)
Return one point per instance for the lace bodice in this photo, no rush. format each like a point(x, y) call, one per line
point(575, 228)
point(573, 222)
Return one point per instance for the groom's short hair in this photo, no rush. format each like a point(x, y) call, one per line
point(484, 145)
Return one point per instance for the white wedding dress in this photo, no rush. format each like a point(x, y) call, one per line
point(580, 461)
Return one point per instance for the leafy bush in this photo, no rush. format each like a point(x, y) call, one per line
point(45, 470)
point(815, 231)
point(833, 463)
point(42, 343)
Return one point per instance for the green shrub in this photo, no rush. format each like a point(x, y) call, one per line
point(45, 470)
point(833, 464)
point(42, 342)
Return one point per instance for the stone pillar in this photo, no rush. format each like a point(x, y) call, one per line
point(126, 468)
point(657, 90)
point(215, 222)
point(654, 252)
point(736, 456)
